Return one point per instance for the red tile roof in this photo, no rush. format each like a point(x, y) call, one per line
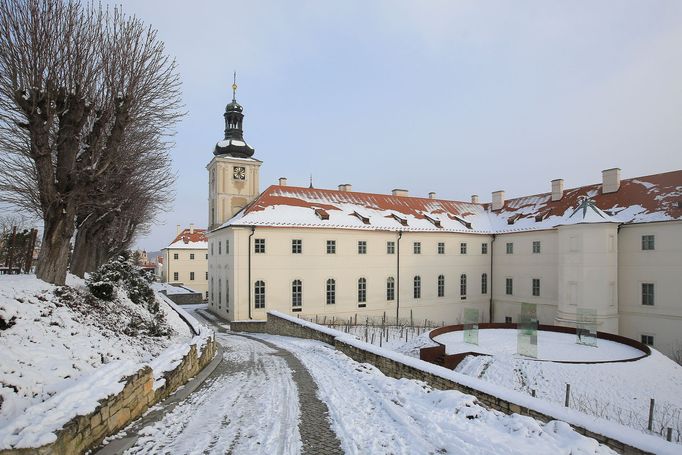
point(199, 235)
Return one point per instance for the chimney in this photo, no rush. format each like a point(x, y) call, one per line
point(399, 192)
point(557, 189)
point(610, 180)
point(191, 228)
point(498, 199)
point(345, 187)
point(282, 181)
point(474, 198)
point(432, 195)
point(179, 230)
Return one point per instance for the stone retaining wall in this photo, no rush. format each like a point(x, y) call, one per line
point(393, 368)
point(116, 411)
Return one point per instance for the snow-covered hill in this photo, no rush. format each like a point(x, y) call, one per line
point(54, 338)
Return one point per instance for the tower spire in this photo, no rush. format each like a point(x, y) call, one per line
point(234, 87)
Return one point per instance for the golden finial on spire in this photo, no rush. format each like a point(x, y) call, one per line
point(234, 87)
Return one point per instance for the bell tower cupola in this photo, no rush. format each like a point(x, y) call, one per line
point(234, 143)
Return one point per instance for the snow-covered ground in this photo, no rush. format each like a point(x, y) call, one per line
point(551, 346)
point(61, 350)
point(406, 340)
point(620, 392)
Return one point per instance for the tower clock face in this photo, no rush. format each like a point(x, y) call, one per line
point(239, 173)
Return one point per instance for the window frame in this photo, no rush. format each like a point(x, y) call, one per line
point(440, 285)
point(535, 287)
point(537, 247)
point(484, 283)
point(176, 276)
point(390, 247)
point(191, 256)
point(644, 338)
point(463, 286)
point(362, 246)
point(331, 246)
point(331, 291)
point(259, 294)
point(484, 248)
point(463, 248)
point(259, 246)
point(362, 290)
point(648, 242)
point(509, 286)
point(297, 293)
point(441, 248)
point(648, 294)
point(191, 276)
point(510, 248)
point(176, 256)
point(417, 247)
point(417, 287)
point(390, 289)
point(296, 246)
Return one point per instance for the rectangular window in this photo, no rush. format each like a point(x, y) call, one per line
point(175, 276)
point(390, 289)
point(362, 247)
point(227, 247)
point(259, 246)
point(648, 242)
point(484, 248)
point(507, 320)
point(259, 294)
point(220, 293)
point(331, 292)
point(536, 287)
point(175, 256)
point(220, 247)
point(648, 340)
point(206, 295)
point(390, 247)
point(191, 276)
point(331, 246)
point(441, 247)
point(211, 248)
point(206, 255)
point(417, 247)
point(417, 287)
point(362, 290)
point(509, 286)
point(296, 293)
point(647, 293)
point(484, 283)
point(206, 276)
point(191, 256)
point(510, 248)
point(536, 247)
point(227, 295)
point(296, 246)
point(462, 248)
point(441, 285)
point(463, 286)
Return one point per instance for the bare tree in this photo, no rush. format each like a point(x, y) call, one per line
point(73, 81)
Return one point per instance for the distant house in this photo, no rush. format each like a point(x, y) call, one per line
point(185, 260)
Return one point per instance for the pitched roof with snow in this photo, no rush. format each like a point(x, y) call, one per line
point(643, 199)
point(190, 239)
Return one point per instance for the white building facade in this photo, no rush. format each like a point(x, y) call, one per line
point(614, 247)
point(185, 260)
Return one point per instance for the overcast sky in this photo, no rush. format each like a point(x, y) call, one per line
point(457, 97)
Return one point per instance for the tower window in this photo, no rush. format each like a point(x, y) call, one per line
point(297, 246)
point(259, 246)
point(362, 247)
point(331, 291)
point(331, 246)
point(417, 287)
point(296, 294)
point(259, 294)
point(390, 288)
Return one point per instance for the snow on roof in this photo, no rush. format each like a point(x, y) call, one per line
point(643, 199)
point(190, 239)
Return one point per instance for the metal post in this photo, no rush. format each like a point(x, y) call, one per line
point(651, 414)
point(568, 394)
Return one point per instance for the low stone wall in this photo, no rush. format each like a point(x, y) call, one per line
point(188, 298)
point(113, 413)
point(396, 369)
point(248, 326)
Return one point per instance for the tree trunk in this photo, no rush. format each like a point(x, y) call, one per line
point(84, 253)
point(53, 260)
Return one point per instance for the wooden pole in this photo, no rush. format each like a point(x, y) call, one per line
point(29, 253)
point(568, 394)
point(652, 402)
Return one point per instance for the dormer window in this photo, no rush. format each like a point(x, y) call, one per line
point(433, 221)
point(361, 217)
point(321, 214)
point(399, 219)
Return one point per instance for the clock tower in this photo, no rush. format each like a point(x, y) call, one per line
point(233, 172)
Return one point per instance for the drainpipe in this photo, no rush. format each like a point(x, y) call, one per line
point(397, 283)
point(491, 279)
point(253, 230)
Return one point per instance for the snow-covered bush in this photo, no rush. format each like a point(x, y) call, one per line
point(120, 272)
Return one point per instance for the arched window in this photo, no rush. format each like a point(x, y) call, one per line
point(296, 294)
point(390, 288)
point(362, 290)
point(484, 283)
point(417, 287)
point(259, 294)
point(331, 291)
point(441, 285)
point(463, 286)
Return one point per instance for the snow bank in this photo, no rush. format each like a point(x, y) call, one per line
point(597, 425)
